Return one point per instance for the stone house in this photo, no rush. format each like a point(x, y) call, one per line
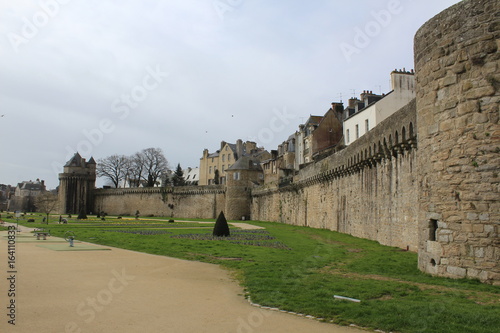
point(25, 194)
point(281, 165)
point(328, 134)
point(222, 159)
point(303, 141)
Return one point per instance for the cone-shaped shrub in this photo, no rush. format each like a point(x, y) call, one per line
point(221, 228)
point(82, 215)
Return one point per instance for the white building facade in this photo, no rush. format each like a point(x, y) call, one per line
point(403, 91)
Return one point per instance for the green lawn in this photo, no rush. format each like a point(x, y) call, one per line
point(300, 269)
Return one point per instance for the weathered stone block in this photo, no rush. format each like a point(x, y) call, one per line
point(445, 231)
point(456, 271)
point(443, 238)
point(489, 228)
point(459, 68)
point(472, 273)
point(446, 125)
point(484, 217)
point(434, 248)
point(472, 216)
point(468, 107)
point(479, 252)
point(449, 80)
point(480, 118)
point(478, 228)
point(478, 93)
point(483, 275)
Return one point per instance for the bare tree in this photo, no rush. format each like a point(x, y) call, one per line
point(114, 168)
point(154, 165)
point(46, 202)
point(136, 170)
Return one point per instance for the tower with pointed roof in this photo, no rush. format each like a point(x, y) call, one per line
point(242, 177)
point(76, 185)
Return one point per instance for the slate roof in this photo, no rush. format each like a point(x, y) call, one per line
point(76, 160)
point(314, 120)
point(246, 163)
point(31, 186)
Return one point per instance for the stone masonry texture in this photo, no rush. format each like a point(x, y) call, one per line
point(458, 81)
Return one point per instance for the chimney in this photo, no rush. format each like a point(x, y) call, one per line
point(250, 147)
point(352, 102)
point(402, 80)
point(239, 149)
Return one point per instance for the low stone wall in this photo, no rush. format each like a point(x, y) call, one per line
point(368, 190)
point(184, 202)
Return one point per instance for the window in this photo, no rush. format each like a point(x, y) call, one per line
point(357, 131)
point(347, 136)
point(236, 176)
point(229, 157)
point(223, 167)
point(210, 170)
point(433, 226)
point(223, 158)
point(367, 125)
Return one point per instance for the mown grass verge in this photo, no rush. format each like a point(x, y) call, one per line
point(310, 267)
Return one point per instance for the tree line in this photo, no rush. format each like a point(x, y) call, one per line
point(146, 168)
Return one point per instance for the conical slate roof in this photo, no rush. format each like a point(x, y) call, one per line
point(76, 160)
point(246, 163)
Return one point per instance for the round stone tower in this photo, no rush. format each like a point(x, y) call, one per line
point(458, 81)
point(242, 176)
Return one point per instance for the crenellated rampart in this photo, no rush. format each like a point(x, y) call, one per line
point(185, 201)
point(368, 189)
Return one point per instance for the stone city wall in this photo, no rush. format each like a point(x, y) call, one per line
point(458, 81)
point(184, 202)
point(368, 190)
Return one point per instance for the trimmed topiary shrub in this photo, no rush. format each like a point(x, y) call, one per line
point(221, 228)
point(82, 215)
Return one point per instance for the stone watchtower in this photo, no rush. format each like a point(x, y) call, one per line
point(242, 176)
point(458, 92)
point(76, 185)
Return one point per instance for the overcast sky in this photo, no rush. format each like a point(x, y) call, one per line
point(115, 77)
